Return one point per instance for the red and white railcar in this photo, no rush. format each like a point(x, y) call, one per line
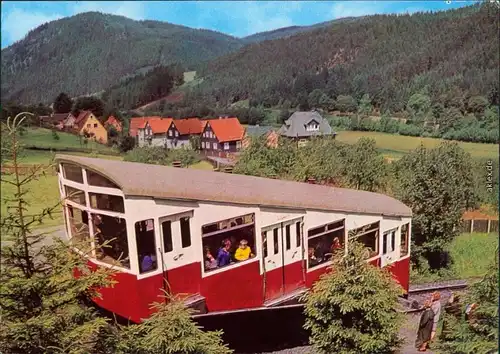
point(164, 222)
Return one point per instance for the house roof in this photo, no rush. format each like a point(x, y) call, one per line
point(227, 129)
point(114, 122)
point(295, 126)
point(138, 123)
point(61, 116)
point(137, 179)
point(82, 118)
point(258, 130)
point(159, 125)
point(188, 126)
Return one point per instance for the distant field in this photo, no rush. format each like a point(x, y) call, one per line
point(43, 138)
point(202, 165)
point(189, 76)
point(44, 157)
point(396, 146)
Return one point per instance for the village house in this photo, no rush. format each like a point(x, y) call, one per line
point(153, 132)
point(301, 126)
point(181, 130)
point(222, 136)
point(255, 131)
point(58, 120)
point(113, 122)
point(88, 125)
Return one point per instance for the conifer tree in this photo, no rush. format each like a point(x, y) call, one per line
point(42, 301)
point(63, 103)
point(170, 330)
point(352, 309)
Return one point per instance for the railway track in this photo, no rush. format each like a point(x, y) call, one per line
point(418, 293)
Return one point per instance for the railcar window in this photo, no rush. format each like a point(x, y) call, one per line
point(393, 240)
point(166, 228)
point(229, 241)
point(98, 180)
point(298, 232)
point(287, 237)
point(275, 241)
point(264, 243)
point(324, 241)
point(111, 240)
point(405, 235)
point(72, 172)
point(146, 245)
point(107, 202)
point(185, 232)
point(79, 226)
point(367, 235)
point(75, 195)
point(384, 243)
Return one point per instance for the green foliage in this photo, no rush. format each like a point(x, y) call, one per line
point(195, 141)
point(419, 107)
point(346, 104)
point(55, 136)
point(365, 105)
point(363, 166)
point(438, 185)
point(351, 309)
point(160, 156)
point(170, 330)
point(63, 103)
point(477, 104)
point(43, 304)
point(89, 103)
point(480, 333)
point(127, 143)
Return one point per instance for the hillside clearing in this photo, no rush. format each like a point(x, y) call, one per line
point(397, 145)
point(189, 76)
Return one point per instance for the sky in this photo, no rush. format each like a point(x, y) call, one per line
point(236, 18)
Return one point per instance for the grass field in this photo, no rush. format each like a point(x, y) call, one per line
point(43, 138)
point(471, 255)
point(397, 145)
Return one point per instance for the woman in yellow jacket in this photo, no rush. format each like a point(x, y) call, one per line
point(243, 252)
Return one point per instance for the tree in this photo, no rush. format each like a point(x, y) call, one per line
point(314, 98)
point(477, 105)
point(63, 103)
point(43, 303)
point(346, 103)
point(419, 107)
point(438, 186)
point(352, 308)
point(479, 335)
point(284, 115)
point(89, 103)
point(365, 105)
point(363, 166)
point(170, 330)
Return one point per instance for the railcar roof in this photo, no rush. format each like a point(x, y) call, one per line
point(138, 179)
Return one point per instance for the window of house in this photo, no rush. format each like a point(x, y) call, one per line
point(72, 172)
point(88, 125)
point(169, 133)
point(238, 145)
point(367, 235)
point(111, 240)
point(166, 228)
point(79, 226)
point(185, 232)
point(176, 133)
point(405, 237)
point(324, 241)
point(146, 245)
point(107, 202)
point(215, 146)
point(95, 125)
point(75, 195)
point(202, 144)
point(298, 232)
point(226, 146)
point(98, 180)
point(222, 239)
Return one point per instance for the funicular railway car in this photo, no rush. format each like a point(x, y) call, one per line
point(225, 241)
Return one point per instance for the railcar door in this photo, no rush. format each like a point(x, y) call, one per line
point(389, 247)
point(178, 253)
point(272, 262)
point(293, 255)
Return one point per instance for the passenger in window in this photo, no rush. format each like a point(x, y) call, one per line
point(223, 256)
point(312, 257)
point(243, 252)
point(210, 261)
point(148, 262)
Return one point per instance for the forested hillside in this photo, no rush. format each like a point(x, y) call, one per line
point(89, 52)
point(452, 55)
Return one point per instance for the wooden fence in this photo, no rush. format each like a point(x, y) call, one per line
point(475, 221)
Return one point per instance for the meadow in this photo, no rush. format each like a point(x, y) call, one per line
point(471, 255)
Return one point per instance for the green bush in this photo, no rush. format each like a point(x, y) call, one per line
point(160, 156)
